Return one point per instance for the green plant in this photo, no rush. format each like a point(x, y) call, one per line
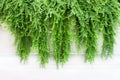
point(49, 26)
point(60, 30)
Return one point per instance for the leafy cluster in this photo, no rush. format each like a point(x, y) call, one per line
point(47, 26)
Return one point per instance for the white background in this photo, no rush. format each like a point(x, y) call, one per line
point(74, 69)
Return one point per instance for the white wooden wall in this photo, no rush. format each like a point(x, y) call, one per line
point(74, 69)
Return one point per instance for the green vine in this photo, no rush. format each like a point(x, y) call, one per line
point(110, 18)
point(49, 26)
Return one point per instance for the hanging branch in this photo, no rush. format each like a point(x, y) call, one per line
point(18, 15)
point(60, 32)
point(43, 42)
point(47, 26)
point(111, 17)
point(66, 39)
point(91, 43)
point(40, 32)
point(80, 29)
point(85, 28)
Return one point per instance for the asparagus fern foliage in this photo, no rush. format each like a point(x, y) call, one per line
point(47, 27)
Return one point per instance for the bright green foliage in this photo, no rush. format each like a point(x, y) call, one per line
point(91, 20)
point(110, 18)
point(47, 26)
point(60, 30)
point(26, 20)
